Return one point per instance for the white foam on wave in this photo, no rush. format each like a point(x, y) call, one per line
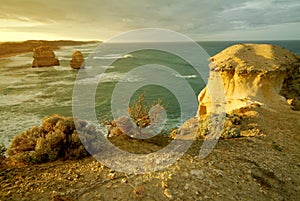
point(185, 76)
point(64, 58)
point(108, 67)
point(22, 86)
point(31, 75)
point(5, 80)
point(62, 68)
point(110, 77)
point(16, 99)
point(12, 124)
point(19, 60)
point(59, 83)
point(113, 56)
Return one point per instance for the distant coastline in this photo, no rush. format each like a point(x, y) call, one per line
point(8, 49)
point(214, 47)
point(14, 48)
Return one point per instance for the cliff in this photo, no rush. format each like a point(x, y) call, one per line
point(264, 167)
point(253, 74)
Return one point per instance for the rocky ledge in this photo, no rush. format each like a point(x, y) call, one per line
point(260, 74)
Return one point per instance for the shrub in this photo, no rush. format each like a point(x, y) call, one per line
point(230, 129)
point(139, 113)
point(55, 139)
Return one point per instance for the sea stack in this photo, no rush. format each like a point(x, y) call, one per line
point(77, 61)
point(44, 56)
point(252, 74)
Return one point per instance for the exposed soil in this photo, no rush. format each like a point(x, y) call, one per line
point(262, 167)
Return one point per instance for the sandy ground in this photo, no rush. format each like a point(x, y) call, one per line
point(264, 167)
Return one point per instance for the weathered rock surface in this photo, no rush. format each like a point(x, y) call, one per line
point(250, 74)
point(44, 56)
point(291, 86)
point(77, 61)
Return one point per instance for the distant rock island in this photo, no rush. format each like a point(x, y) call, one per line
point(77, 61)
point(44, 56)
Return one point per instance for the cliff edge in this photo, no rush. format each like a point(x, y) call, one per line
point(260, 74)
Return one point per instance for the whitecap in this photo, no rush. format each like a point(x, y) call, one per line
point(113, 56)
point(6, 100)
point(59, 83)
point(127, 56)
point(21, 86)
point(186, 76)
point(61, 68)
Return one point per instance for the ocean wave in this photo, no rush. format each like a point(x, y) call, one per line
point(15, 123)
point(113, 56)
point(17, 61)
point(64, 58)
point(9, 100)
point(31, 75)
point(21, 86)
point(110, 77)
point(186, 76)
point(62, 68)
point(60, 83)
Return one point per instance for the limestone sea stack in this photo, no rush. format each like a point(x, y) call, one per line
point(77, 61)
point(260, 74)
point(44, 56)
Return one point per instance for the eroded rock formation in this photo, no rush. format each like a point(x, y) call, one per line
point(291, 86)
point(44, 56)
point(77, 61)
point(251, 74)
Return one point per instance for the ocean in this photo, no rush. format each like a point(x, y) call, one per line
point(28, 94)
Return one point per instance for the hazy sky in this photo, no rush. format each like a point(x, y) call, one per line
point(102, 19)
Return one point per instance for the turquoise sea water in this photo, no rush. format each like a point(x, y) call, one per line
point(29, 94)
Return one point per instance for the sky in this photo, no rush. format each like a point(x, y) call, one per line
point(200, 20)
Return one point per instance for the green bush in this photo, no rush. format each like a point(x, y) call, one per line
point(55, 139)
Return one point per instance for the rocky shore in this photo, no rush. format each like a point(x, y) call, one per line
point(261, 163)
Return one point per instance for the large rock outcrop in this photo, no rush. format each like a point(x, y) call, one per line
point(77, 61)
point(44, 56)
point(291, 86)
point(251, 74)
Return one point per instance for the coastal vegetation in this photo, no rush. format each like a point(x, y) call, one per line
point(55, 139)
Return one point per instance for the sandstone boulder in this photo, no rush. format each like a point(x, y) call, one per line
point(249, 74)
point(44, 56)
point(77, 61)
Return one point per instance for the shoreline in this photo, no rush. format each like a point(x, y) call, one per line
point(8, 49)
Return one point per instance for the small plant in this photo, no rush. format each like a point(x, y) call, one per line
point(139, 113)
point(55, 139)
point(230, 128)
